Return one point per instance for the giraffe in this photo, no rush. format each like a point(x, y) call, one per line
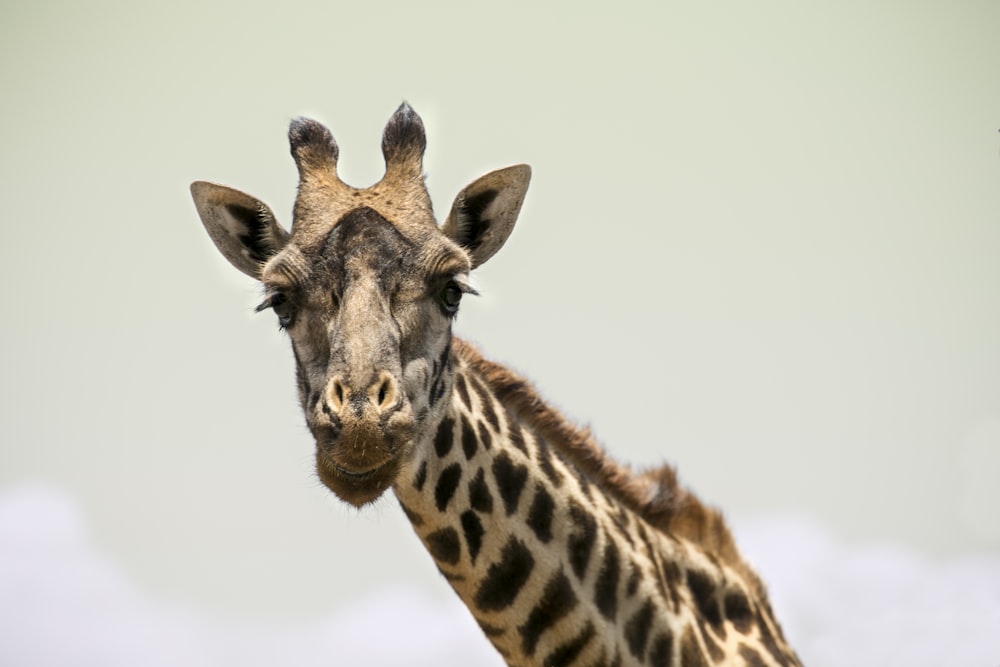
point(562, 555)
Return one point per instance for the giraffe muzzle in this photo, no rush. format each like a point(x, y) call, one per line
point(361, 429)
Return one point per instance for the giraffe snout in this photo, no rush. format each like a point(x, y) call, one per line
point(361, 430)
point(378, 398)
point(360, 424)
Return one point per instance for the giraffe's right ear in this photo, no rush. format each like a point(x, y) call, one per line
point(243, 228)
point(484, 213)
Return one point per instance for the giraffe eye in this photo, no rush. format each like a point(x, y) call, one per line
point(282, 307)
point(451, 296)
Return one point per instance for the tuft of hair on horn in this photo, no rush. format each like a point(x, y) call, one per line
point(312, 146)
point(404, 141)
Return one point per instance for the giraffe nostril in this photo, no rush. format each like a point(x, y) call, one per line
point(382, 395)
point(339, 392)
point(336, 395)
point(384, 392)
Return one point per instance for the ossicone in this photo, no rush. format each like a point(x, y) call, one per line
point(312, 145)
point(404, 140)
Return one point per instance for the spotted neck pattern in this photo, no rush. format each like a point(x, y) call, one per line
point(565, 558)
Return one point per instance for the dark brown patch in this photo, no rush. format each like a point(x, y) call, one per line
point(703, 591)
point(510, 479)
point(444, 437)
point(637, 630)
point(421, 477)
point(479, 493)
point(463, 390)
point(472, 528)
point(691, 655)
point(558, 599)
point(541, 513)
point(505, 578)
point(469, 441)
point(633, 581)
point(621, 520)
point(736, 607)
point(581, 540)
point(446, 485)
point(564, 655)
point(444, 545)
point(661, 649)
point(751, 657)
point(606, 587)
point(484, 436)
point(487, 404)
point(439, 381)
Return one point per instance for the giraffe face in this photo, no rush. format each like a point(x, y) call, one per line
point(368, 311)
point(366, 286)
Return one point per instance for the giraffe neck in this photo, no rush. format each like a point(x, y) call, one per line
point(557, 565)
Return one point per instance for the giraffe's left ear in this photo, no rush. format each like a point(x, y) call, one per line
point(243, 228)
point(484, 213)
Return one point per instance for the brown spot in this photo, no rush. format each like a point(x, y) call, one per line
point(469, 441)
point(661, 650)
point(484, 436)
point(751, 656)
point(557, 601)
point(637, 629)
point(486, 401)
point(691, 655)
point(463, 391)
point(444, 545)
point(674, 510)
point(703, 591)
point(567, 653)
point(736, 607)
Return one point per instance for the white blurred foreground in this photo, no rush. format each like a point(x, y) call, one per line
point(62, 603)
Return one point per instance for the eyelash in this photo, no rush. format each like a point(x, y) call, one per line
point(282, 307)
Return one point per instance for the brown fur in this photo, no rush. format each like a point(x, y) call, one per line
point(655, 495)
point(366, 285)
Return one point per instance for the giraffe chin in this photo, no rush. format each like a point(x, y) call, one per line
point(357, 487)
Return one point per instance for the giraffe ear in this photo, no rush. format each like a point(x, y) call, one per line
point(243, 228)
point(484, 213)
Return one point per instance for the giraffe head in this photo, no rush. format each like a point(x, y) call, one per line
point(366, 285)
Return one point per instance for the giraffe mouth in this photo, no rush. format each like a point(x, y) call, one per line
point(359, 475)
point(359, 460)
point(356, 485)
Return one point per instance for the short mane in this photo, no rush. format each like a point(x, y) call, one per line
point(655, 495)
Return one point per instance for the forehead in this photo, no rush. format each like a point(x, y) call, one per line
point(323, 200)
point(365, 240)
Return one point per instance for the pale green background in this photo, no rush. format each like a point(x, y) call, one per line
point(762, 242)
